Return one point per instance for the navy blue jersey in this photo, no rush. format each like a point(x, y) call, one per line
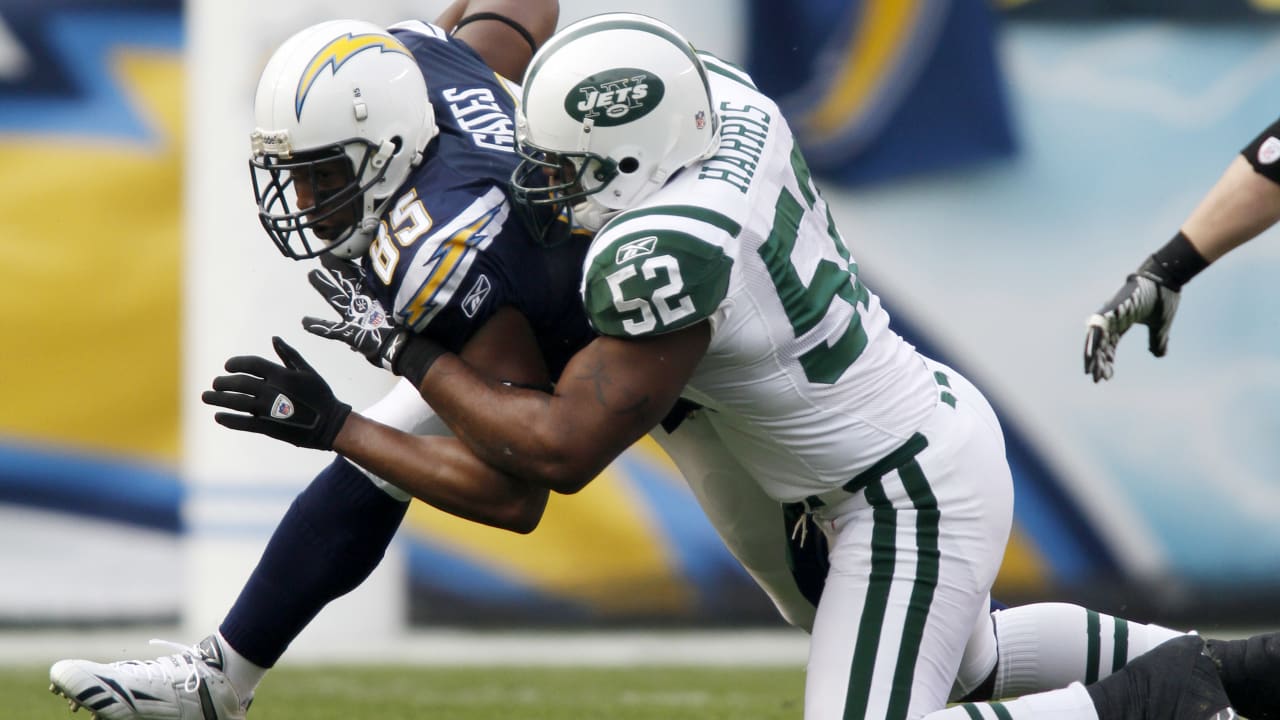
point(450, 251)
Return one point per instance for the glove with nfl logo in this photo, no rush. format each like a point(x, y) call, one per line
point(1149, 297)
point(365, 325)
point(288, 402)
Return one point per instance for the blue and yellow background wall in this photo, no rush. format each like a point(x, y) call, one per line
point(995, 173)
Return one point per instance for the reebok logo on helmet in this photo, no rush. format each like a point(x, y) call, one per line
point(613, 97)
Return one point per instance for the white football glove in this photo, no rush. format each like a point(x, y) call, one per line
point(365, 325)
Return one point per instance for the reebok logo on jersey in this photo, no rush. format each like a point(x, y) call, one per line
point(475, 297)
point(629, 251)
point(1269, 150)
point(613, 97)
point(282, 408)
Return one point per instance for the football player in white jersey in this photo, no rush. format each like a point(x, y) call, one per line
point(717, 275)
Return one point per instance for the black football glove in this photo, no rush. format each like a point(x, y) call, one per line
point(1147, 297)
point(365, 325)
point(289, 402)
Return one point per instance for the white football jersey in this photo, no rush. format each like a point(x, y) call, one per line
point(803, 379)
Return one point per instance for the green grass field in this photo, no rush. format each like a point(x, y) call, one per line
point(432, 693)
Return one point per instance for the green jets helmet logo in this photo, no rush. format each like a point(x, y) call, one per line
point(613, 97)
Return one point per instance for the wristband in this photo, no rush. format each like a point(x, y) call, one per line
point(1264, 153)
point(1175, 263)
point(416, 357)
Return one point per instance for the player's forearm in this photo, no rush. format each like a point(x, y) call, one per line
point(1240, 205)
point(610, 394)
point(444, 473)
point(530, 434)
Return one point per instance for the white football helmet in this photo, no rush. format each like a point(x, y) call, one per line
point(621, 98)
point(342, 117)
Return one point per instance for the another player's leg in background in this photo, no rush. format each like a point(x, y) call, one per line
point(1175, 681)
point(1042, 646)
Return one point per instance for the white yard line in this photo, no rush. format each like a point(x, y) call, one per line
point(768, 647)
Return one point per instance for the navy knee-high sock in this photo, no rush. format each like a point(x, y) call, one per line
point(333, 536)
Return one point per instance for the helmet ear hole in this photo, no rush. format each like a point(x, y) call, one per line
point(398, 143)
point(628, 165)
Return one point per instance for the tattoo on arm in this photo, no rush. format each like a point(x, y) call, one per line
point(602, 382)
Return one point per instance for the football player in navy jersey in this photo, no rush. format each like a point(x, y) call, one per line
point(387, 152)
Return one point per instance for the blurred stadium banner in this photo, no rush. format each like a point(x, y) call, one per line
point(91, 151)
point(881, 89)
point(1175, 9)
point(107, 460)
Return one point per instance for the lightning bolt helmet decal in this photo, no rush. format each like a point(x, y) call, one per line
point(336, 54)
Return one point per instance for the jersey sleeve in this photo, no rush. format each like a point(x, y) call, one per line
point(649, 282)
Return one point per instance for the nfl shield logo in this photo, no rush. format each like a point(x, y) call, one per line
point(282, 408)
point(700, 119)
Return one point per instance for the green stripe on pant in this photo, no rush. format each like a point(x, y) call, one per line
point(883, 566)
point(883, 551)
point(926, 581)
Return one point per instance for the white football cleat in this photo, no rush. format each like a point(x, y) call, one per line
point(189, 685)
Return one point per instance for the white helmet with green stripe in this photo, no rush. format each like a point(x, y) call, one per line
point(625, 100)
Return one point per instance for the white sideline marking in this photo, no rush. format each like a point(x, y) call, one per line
point(759, 648)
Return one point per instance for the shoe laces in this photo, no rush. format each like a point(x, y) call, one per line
point(188, 663)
